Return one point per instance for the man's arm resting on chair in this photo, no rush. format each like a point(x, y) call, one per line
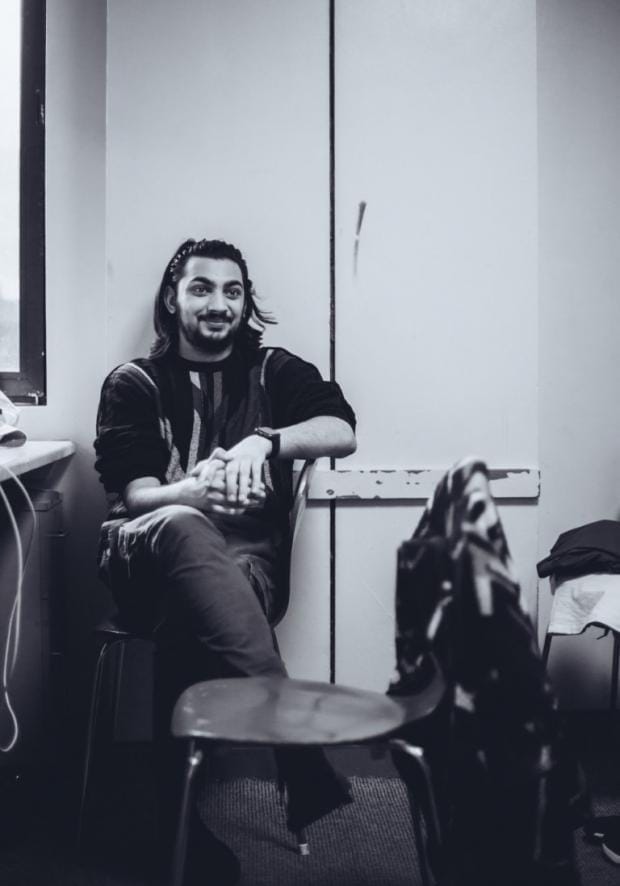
point(230, 481)
point(323, 435)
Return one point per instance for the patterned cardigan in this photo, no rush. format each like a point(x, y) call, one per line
point(508, 789)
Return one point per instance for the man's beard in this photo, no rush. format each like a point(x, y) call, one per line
point(211, 344)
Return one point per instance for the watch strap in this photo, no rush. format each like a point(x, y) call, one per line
point(273, 437)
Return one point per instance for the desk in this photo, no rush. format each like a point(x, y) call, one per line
point(33, 454)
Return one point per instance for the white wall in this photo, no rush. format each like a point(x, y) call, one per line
point(250, 163)
point(437, 327)
point(218, 123)
point(75, 286)
point(579, 308)
point(218, 126)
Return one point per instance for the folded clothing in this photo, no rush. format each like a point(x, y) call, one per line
point(594, 547)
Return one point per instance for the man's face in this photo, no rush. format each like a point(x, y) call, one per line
point(208, 303)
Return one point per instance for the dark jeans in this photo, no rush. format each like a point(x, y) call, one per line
point(207, 592)
point(199, 583)
point(207, 589)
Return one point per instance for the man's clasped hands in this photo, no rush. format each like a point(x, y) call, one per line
point(230, 481)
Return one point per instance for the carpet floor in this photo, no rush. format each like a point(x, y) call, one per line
point(369, 843)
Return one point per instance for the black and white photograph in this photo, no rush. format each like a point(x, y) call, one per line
point(309, 442)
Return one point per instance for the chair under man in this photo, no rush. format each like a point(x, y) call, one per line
point(112, 634)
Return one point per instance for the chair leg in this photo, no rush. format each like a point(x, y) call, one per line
point(613, 700)
point(194, 759)
point(418, 833)
point(546, 648)
point(118, 682)
point(302, 842)
point(301, 836)
point(95, 698)
point(416, 755)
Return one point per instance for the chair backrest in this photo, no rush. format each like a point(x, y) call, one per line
point(300, 499)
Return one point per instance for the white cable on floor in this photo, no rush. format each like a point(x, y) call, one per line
point(13, 635)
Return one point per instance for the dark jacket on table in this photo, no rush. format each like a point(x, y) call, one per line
point(594, 547)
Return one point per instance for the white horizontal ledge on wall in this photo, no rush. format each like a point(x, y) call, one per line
point(397, 484)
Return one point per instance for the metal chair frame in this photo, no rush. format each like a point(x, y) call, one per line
point(111, 633)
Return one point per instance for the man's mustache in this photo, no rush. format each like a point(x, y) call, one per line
point(218, 316)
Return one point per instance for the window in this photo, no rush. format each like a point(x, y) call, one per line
point(22, 222)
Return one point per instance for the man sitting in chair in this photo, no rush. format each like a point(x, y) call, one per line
point(196, 444)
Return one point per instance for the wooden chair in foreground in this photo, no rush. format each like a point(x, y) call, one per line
point(276, 711)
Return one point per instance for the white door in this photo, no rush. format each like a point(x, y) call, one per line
point(436, 294)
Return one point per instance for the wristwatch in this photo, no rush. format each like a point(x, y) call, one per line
point(273, 437)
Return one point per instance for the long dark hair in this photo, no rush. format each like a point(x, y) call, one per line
point(166, 329)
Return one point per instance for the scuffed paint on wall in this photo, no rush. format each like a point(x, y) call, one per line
point(397, 484)
point(356, 245)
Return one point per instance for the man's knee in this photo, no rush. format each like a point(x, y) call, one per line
point(174, 527)
point(178, 515)
point(179, 522)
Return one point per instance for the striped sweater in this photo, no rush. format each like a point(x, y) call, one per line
point(159, 417)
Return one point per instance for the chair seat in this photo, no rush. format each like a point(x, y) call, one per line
point(278, 710)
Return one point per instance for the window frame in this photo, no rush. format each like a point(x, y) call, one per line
point(28, 383)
